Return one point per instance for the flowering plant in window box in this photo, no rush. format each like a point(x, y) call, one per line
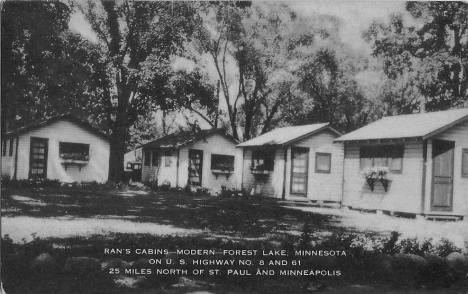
point(259, 169)
point(223, 167)
point(74, 156)
point(375, 172)
point(372, 173)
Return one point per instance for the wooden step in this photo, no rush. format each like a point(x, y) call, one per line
point(442, 217)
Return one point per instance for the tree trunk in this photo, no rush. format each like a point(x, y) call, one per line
point(117, 152)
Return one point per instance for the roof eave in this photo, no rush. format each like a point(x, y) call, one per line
point(385, 140)
point(47, 122)
point(257, 146)
point(327, 126)
point(446, 127)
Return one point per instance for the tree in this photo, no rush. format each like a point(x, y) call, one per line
point(138, 42)
point(328, 90)
point(253, 49)
point(32, 58)
point(431, 58)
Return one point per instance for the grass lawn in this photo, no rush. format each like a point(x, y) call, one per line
point(214, 216)
point(70, 222)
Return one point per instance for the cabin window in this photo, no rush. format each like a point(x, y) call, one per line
point(147, 157)
point(390, 156)
point(4, 147)
point(74, 151)
point(10, 153)
point(168, 158)
point(133, 166)
point(263, 159)
point(465, 162)
point(322, 162)
point(154, 158)
point(222, 162)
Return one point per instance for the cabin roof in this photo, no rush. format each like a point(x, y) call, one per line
point(286, 135)
point(423, 125)
point(67, 117)
point(181, 139)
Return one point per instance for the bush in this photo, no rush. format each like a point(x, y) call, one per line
point(389, 247)
point(30, 183)
point(233, 193)
point(165, 186)
point(414, 246)
point(444, 247)
point(306, 237)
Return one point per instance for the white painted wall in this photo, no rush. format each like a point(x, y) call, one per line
point(215, 144)
point(7, 160)
point(320, 186)
point(96, 169)
point(458, 134)
point(177, 174)
point(270, 185)
point(404, 191)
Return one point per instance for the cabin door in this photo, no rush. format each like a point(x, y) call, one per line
point(38, 158)
point(442, 175)
point(195, 167)
point(299, 171)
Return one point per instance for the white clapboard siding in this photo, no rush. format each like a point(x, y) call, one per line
point(458, 134)
point(168, 173)
point(321, 186)
point(177, 172)
point(96, 169)
point(8, 161)
point(404, 192)
point(214, 144)
point(270, 185)
point(161, 172)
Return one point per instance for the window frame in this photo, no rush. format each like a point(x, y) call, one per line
point(230, 158)
point(67, 145)
point(386, 152)
point(464, 169)
point(317, 154)
point(268, 156)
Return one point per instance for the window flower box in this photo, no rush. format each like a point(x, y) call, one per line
point(371, 174)
point(74, 156)
point(226, 172)
point(260, 171)
point(74, 159)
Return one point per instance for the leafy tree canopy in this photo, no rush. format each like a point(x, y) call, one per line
point(426, 61)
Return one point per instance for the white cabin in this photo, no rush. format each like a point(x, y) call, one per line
point(61, 148)
point(205, 158)
point(294, 163)
point(426, 161)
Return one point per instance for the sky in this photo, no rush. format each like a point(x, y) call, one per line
point(355, 15)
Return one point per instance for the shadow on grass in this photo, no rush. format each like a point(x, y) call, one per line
point(237, 217)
